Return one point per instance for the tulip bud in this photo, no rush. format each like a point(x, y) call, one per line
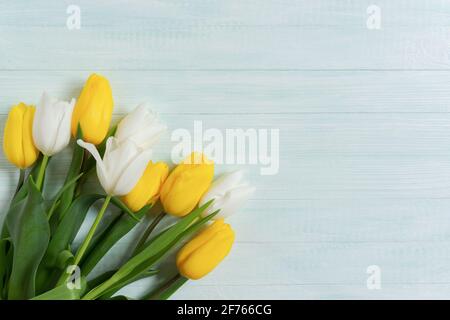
point(141, 126)
point(229, 194)
point(205, 251)
point(186, 184)
point(18, 144)
point(147, 189)
point(93, 110)
point(51, 124)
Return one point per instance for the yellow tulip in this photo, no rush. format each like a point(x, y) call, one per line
point(205, 251)
point(18, 144)
point(186, 184)
point(148, 187)
point(93, 109)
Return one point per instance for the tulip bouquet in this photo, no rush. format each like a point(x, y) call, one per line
point(39, 258)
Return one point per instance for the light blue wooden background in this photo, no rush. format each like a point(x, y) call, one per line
point(364, 119)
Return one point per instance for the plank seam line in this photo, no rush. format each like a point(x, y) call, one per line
point(233, 70)
point(323, 284)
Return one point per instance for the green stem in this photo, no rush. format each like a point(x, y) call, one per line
point(166, 290)
point(147, 232)
point(40, 177)
point(87, 240)
point(21, 180)
point(91, 232)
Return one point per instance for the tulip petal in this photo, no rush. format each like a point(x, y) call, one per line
point(132, 173)
point(133, 122)
point(13, 136)
point(206, 250)
point(93, 109)
point(51, 125)
point(147, 189)
point(30, 151)
point(44, 123)
point(118, 157)
point(101, 170)
point(64, 129)
point(229, 195)
point(234, 200)
point(151, 136)
point(141, 126)
point(222, 184)
point(186, 185)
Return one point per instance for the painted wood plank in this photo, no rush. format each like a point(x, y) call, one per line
point(333, 263)
point(343, 221)
point(228, 92)
point(327, 13)
point(181, 36)
point(235, 48)
point(192, 291)
point(329, 264)
point(310, 292)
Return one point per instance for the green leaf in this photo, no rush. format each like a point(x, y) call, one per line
point(119, 204)
point(166, 294)
point(30, 234)
point(121, 297)
point(62, 238)
point(106, 275)
point(62, 292)
point(113, 233)
point(111, 291)
point(64, 259)
point(198, 225)
point(16, 205)
point(167, 290)
point(4, 247)
point(99, 279)
point(23, 190)
point(19, 196)
point(74, 170)
point(69, 226)
point(150, 261)
point(64, 188)
point(151, 253)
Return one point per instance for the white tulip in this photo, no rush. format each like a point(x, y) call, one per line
point(229, 194)
point(122, 165)
point(51, 124)
point(142, 126)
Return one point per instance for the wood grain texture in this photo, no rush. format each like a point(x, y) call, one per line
point(246, 92)
point(225, 35)
point(363, 115)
